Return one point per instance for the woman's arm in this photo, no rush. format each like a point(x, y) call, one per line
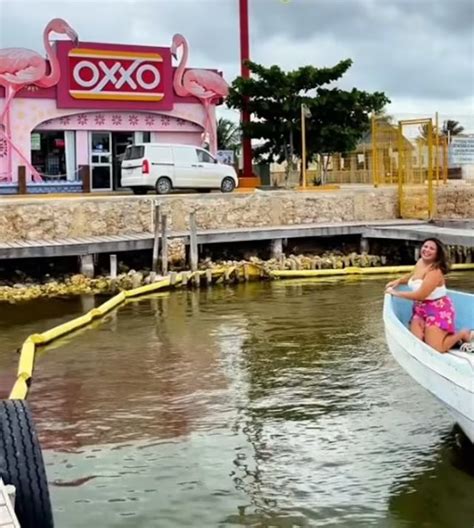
point(430, 283)
point(401, 280)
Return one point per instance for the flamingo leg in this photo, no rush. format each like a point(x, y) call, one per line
point(6, 110)
point(9, 153)
point(5, 125)
point(209, 127)
point(34, 173)
point(205, 104)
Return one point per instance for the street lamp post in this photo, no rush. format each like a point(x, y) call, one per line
point(305, 112)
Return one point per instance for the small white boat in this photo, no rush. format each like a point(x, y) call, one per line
point(449, 377)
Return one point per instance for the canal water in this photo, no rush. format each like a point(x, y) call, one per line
point(262, 405)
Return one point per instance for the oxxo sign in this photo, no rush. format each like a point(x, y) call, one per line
point(115, 76)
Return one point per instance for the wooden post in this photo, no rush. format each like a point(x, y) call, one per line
point(164, 244)
point(85, 173)
point(87, 265)
point(113, 266)
point(193, 246)
point(156, 239)
point(22, 189)
point(364, 245)
point(276, 248)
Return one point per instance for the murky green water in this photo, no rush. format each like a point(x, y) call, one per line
point(269, 405)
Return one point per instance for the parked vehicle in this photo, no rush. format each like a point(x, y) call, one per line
point(165, 167)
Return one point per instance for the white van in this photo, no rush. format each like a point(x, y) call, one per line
point(164, 167)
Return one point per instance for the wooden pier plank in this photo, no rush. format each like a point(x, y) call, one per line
point(394, 229)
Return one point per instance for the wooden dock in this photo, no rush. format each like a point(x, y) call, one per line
point(7, 511)
point(144, 241)
point(456, 236)
point(409, 230)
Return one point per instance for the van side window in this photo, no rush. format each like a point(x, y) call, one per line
point(204, 157)
point(134, 152)
point(184, 155)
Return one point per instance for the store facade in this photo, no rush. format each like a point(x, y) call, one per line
point(107, 96)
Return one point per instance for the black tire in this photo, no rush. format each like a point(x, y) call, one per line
point(163, 185)
point(21, 464)
point(228, 184)
point(139, 190)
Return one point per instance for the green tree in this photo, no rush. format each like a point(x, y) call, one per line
point(274, 98)
point(228, 134)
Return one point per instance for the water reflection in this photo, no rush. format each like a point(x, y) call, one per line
point(149, 379)
point(263, 405)
point(438, 493)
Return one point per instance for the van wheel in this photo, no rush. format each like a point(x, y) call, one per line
point(227, 185)
point(163, 185)
point(21, 464)
point(139, 190)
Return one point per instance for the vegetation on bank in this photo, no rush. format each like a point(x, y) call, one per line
point(64, 286)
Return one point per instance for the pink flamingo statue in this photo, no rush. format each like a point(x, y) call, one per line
point(204, 84)
point(20, 67)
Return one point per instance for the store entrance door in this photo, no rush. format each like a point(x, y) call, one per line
point(120, 141)
point(101, 167)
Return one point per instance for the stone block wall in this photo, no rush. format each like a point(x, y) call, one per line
point(455, 201)
point(33, 219)
point(72, 217)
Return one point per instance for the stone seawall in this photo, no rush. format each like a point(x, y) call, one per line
point(455, 202)
point(33, 219)
point(50, 218)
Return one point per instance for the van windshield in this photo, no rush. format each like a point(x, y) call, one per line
point(134, 152)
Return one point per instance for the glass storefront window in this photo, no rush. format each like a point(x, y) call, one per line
point(48, 154)
point(100, 142)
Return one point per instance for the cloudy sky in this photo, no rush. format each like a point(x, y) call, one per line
point(420, 52)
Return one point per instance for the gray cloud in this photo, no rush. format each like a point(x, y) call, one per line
point(417, 51)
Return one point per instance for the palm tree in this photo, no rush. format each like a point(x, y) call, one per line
point(228, 134)
point(423, 132)
point(451, 128)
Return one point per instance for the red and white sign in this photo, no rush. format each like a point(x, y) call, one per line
point(114, 76)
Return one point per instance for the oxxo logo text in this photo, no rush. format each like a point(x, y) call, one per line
point(110, 75)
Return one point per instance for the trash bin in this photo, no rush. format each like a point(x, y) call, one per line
point(263, 172)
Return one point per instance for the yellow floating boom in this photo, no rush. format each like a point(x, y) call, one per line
point(248, 271)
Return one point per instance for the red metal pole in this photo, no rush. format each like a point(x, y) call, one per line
point(245, 73)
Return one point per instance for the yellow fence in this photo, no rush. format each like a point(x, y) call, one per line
point(411, 154)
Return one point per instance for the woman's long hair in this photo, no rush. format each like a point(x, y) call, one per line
point(442, 261)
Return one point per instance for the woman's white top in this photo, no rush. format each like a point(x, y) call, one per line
point(437, 293)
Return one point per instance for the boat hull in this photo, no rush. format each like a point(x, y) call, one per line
point(449, 377)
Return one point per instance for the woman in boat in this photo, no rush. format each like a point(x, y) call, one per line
point(433, 318)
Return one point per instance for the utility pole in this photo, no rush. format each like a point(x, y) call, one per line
point(245, 73)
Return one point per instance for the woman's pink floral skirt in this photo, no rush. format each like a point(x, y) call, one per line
point(439, 312)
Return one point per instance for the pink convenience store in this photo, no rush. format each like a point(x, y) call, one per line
point(89, 100)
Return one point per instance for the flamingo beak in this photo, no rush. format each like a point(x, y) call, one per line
point(174, 52)
point(73, 36)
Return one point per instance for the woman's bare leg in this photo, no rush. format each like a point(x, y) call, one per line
point(441, 341)
point(417, 328)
